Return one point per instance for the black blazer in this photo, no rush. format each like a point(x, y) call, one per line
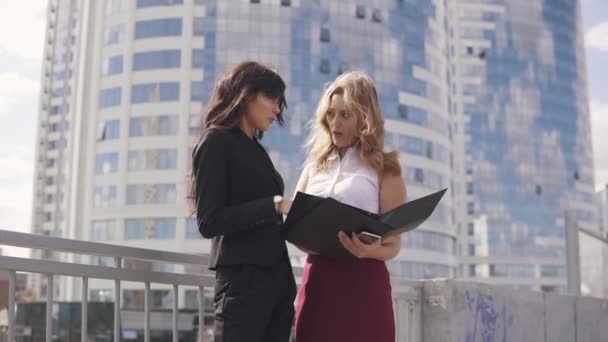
point(236, 182)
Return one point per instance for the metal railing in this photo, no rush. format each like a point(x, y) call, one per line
point(406, 294)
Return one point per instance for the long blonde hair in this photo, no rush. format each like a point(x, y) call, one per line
point(361, 99)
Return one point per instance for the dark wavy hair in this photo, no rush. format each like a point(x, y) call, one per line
point(228, 103)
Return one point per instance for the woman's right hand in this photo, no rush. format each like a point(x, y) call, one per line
point(284, 206)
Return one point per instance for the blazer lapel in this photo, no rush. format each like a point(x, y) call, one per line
point(278, 180)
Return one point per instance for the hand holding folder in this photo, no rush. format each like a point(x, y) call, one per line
point(314, 222)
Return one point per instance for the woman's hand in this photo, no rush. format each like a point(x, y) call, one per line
point(358, 248)
point(284, 206)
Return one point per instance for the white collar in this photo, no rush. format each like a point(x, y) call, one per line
point(336, 155)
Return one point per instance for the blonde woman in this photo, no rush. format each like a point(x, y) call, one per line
point(350, 299)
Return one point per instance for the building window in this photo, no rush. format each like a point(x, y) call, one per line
point(539, 190)
point(151, 60)
point(472, 271)
point(108, 130)
point(469, 188)
point(105, 196)
point(102, 230)
point(429, 150)
point(471, 229)
point(154, 3)
point(106, 163)
point(196, 91)
point(158, 28)
point(286, 3)
point(155, 92)
point(325, 34)
point(164, 229)
point(161, 159)
point(61, 75)
point(471, 249)
point(255, 1)
point(419, 175)
point(360, 12)
point(324, 66)
point(470, 208)
point(198, 26)
point(53, 145)
point(114, 34)
point(403, 111)
point(110, 97)
point(150, 228)
point(412, 145)
point(469, 168)
point(134, 229)
point(552, 271)
point(60, 92)
point(135, 299)
point(101, 295)
point(197, 58)
point(112, 66)
point(152, 126)
point(140, 194)
point(377, 15)
point(194, 125)
point(60, 109)
point(192, 231)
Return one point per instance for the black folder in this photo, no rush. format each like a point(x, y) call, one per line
point(314, 222)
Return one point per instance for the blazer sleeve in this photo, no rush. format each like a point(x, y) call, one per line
point(214, 217)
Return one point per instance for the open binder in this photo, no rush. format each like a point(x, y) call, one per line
point(314, 222)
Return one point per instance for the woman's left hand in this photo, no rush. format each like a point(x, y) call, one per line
point(358, 248)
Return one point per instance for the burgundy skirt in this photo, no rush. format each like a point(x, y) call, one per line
point(344, 300)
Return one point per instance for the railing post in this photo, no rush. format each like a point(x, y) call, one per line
point(85, 309)
point(175, 313)
point(201, 313)
point(12, 282)
point(147, 313)
point(117, 301)
point(49, 308)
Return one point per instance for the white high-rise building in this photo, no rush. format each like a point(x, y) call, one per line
point(485, 97)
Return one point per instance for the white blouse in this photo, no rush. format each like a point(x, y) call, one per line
point(349, 180)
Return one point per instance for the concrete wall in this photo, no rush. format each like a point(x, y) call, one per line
point(458, 311)
point(3, 288)
point(3, 294)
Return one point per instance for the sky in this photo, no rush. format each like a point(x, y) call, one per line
point(22, 33)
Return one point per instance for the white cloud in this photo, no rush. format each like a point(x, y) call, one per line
point(597, 37)
point(16, 172)
point(15, 88)
point(22, 28)
point(599, 128)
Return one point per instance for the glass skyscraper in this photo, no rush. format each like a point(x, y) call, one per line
point(523, 112)
point(487, 98)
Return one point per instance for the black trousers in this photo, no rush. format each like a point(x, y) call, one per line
point(254, 303)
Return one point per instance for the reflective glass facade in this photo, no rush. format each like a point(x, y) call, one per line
point(526, 132)
point(400, 44)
